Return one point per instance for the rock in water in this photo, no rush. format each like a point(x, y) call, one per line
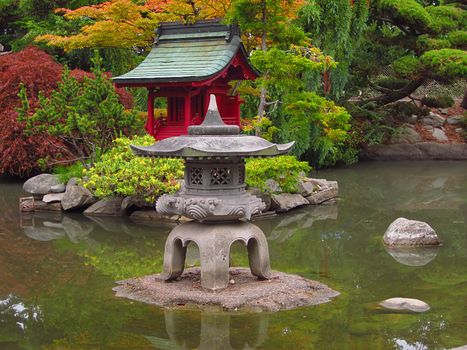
point(404, 232)
point(405, 304)
point(40, 184)
point(111, 206)
point(285, 201)
point(77, 197)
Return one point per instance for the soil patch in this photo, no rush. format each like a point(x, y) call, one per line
point(246, 293)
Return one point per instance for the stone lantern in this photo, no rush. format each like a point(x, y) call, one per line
point(214, 196)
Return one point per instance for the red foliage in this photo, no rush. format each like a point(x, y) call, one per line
point(38, 71)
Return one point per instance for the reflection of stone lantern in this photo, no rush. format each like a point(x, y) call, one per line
point(214, 193)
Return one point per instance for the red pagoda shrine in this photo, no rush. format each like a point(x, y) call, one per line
point(186, 65)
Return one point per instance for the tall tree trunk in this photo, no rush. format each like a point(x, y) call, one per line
point(263, 92)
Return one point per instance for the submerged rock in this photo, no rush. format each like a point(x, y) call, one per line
point(405, 304)
point(404, 232)
point(41, 184)
point(285, 201)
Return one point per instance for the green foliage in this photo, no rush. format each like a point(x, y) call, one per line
point(86, 116)
point(392, 83)
point(406, 109)
point(119, 172)
point(458, 39)
point(440, 101)
point(286, 170)
point(407, 66)
point(425, 43)
point(319, 127)
point(66, 172)
point(281, 70)
point(336, 27)
point(407, 11)
point(263, 127)
point(446, 63)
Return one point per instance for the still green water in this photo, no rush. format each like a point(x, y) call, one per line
point(57, 272)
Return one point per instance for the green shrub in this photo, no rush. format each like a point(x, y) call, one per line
point(391, 83)
point(446, 63)
point(407, 109)
point(441, 101)
point(407, 66)
point(458, 38)
point(286, 170)
point(119, 172)
point(66, 172)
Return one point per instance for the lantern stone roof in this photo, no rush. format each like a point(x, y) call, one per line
point(213, 138)
point(185, 53)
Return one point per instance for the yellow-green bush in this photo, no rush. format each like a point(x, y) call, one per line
point(119, 172)
point(285, 170)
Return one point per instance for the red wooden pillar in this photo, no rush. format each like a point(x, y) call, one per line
point(187, 111)
point(150, 121)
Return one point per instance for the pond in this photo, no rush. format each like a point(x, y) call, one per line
point(57, 272)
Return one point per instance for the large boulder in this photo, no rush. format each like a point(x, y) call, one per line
point(406, 134)
point(41, 184)
point(106, 207)
point(285, 201)
point(404, 232)
point(77, 198)
point(405, 304)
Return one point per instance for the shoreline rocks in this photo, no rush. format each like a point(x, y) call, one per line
point(51, 195)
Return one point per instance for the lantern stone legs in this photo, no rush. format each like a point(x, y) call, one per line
point(214, 242)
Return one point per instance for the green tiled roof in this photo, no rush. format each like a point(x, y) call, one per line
point(186, 53)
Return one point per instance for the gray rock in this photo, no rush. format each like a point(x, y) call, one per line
point(405, 304)
point(58, 188)
point(272, 186)
point(444, 111)
point(264, 196)
point(106, 207)
point(154, 215)
point(405, 134)
point(413, 256)
point(459, 130)
point(42, 206)
point(404, 232)
point(53, 197)
point(412, 119)
point(417, 151)
point(132, 203)
point(285, 201)
point(456, 119)
point(40, 184)
point(77, 198)
point(73, 181)
point(440, 135)
point(433, 119)
point(322, 196)
point(306, 187)
point(428, 127)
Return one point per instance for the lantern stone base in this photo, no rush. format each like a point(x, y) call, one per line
point(214, 242)
point(281, 292)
